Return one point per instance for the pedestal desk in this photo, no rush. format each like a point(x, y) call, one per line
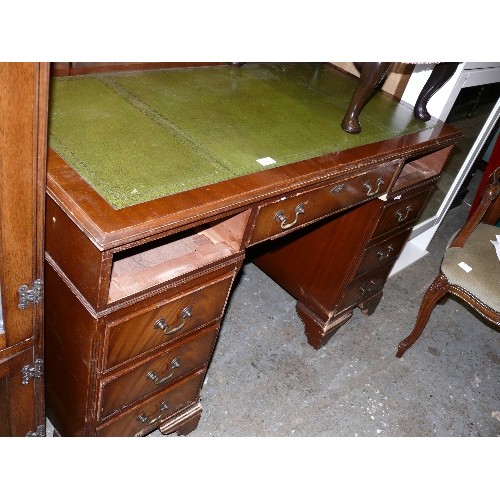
point(139, 265)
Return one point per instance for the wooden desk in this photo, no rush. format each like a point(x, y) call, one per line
point(135, 296)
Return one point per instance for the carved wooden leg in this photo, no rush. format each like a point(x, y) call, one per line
point(319, 332)
point(372, 74)
point(441, 73)
point(183, 423)
point(188, 426)
point(437, 290)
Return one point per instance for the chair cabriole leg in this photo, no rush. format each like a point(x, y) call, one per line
point(435, 293)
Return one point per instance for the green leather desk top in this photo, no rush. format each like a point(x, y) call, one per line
point(137, 136)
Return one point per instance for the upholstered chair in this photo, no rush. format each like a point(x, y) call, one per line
point(470, 269)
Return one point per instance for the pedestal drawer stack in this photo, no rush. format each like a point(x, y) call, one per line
point(137, 361)
point(397, 217)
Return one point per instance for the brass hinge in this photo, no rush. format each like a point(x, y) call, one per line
point(40, 432)
point(32, 371)
point(27, 296)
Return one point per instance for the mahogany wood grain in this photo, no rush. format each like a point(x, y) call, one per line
point(433, 295)
point(180, 409)
point(382, 252)
point(127, 387)
point(84, 68)
point(313, 264)
point(70, 332)
point(23, 150)
point(128, 336)
point(17, 408)
point(328, 282)
point(399, 214)
point(79, 342)
point(319, 203)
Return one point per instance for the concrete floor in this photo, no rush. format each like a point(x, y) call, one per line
point(265, 379)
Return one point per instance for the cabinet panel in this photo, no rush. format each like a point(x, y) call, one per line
point(160, 372)
point(149, 414)
point(16, 398)
point(23, 147)
point(401, 213)
point(382, 252)
point(285, 214)
point(365, 287)
point(130, 336)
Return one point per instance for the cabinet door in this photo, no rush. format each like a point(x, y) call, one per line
point(17, 393)
point(23, 139)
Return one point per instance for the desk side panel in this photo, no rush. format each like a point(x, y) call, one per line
point(85, 266)
point(69, 335)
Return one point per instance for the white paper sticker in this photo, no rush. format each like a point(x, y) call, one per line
point(266, 161)
point(465, 267)
point(496, 244)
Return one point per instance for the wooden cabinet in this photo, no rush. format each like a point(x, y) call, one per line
point(23, 126)
point(135, 295)
point(345, 260)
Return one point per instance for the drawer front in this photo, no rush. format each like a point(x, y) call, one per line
point(150, 414)
point(382, 252)
point(157, 373)
point(129, 337)
point(401, 213)
point(289, 213)
point(365, 287)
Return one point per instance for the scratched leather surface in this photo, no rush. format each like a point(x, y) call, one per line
point(137, 136)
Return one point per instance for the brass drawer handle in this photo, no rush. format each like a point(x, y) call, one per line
point(280, 217)
point(402, 217)
point(152, 375)
point(161, 324)
point(363, 289)
point(145, 419)
point(368, 186)
point(382, 256)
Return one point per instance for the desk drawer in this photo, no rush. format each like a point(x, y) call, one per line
point(157, 373)
point(288, 213)
point(382, 252)
point(364, 287)
point(157, 409)
point(402, 212)
point(130, 336)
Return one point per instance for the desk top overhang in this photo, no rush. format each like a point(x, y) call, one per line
point(306, 142)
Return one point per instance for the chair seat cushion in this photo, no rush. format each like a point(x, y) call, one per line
point(483, 280)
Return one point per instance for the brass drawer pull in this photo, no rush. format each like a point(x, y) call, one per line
point(382, 256)
point(366, 289)
point(161, 324)
point(145, 419)
point(402, 217)
point(280, 217)
point(152, 375)
point(368, 186)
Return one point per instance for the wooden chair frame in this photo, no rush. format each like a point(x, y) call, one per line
point(488, 212)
